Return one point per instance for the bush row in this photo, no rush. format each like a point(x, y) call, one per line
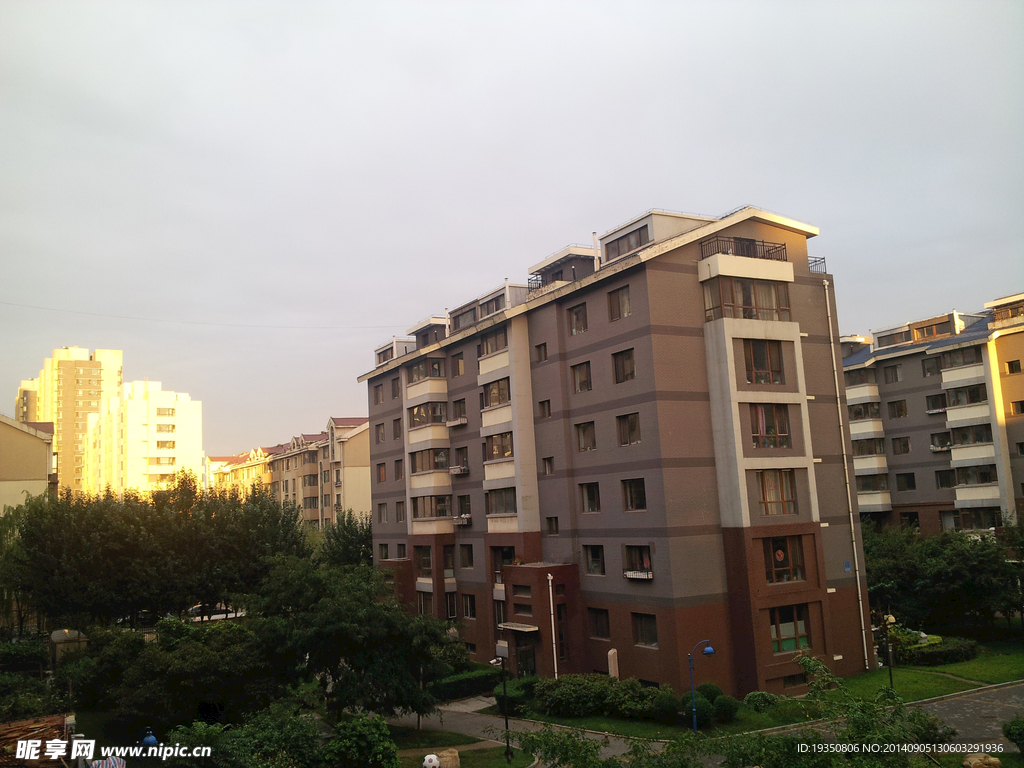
point(519, 691)
point(470, 683)
point(949, 651)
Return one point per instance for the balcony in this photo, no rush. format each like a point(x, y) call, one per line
point(458, 470)
point(977, 453)
point(741, 246)
point(869, 465)
point(977, 495)
point(963, 375)
point(638, 575)
point(874, 501)
point(459, 421)
point(962, 415)
point(862, 393)
point(462, 520)
point(865, 428)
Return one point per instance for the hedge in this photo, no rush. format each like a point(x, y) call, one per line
point(594, 694)
point(23, 657)
point(519, 692)
point(709, 691)
point(949, 651)
point(1013, 729)
point(761, 701)
point(725, 708)
point(471, 683)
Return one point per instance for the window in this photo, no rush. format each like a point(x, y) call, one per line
point(430, 368)
point(622, 365)
point(552, 525)
point(945, 478)
point(1020, 450)
point(399, 469)
point(549, 465)
point(634, 494)
point(978, 393)
point(783, 559)
point(499, 612)
point(905, 481)
point(378, 394)
point(469, 606)
point(522, 590)
point(897, 409)
point(464, 319)
point(378, 433)
point(523, 609)
point(889, 339)
point(893, 373)
point(645, 630)
point(593, 555)
point(448, 557)
point(789, 628)
point(859, 376)
point(862, 411)
point(493, 305)
point(746, 298)
point(872, 483)
point(396, 388)
point(465, 555)
point(618, 304)
point(462, 458)
point(591, 496)
point(498, 447)
point(874, 446)
point(501, 501)
point(496, 393)
point(165, 444)
point(1016, 408)
point(578, 319)
point(981, 475)
point(764, 361)
point(449, 604)
point(628, 242)
point(382, 475)
point(958, 358)
point(396, 429)
point(930, 367)
point(586, 439)
point(422, 557)
point(425, 603)
point(465, 506)
point(770, 425)
point(399, 514)
point(1013, 366)
point(429, 460)
point(900, 446)
point(927, 331)
point(544, 409)
point(909, 521)
point(600, 627)
point(629, 429)
point(400, 553)
point(636, 558)
point(493, 342)
point(382, 551)
point(428, 413)
point(935, 403)
point(940, 441)
point(458, 365)
point(164, 411)
point(581, 377)
point(431, 506)
point(978, 433)
point(542, 352)
point(778, 491)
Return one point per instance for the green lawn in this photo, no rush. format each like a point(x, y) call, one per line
point(911, 684)
point(410, 738)
point(477, 758)
point(997, 662)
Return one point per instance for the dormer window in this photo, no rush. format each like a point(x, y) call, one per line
point(493, 305)
point(629, 242)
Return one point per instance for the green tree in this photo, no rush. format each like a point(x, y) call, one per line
point(347, 542)
point(362, 741)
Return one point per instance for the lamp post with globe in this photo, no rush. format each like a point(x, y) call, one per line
point(708, 650)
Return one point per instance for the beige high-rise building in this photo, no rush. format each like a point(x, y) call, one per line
point(70, 386)
point(142, 438)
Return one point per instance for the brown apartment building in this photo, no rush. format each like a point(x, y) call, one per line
point(936, 409)
point(643, 448)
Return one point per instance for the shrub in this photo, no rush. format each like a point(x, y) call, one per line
point(709, 691)
point(630, 700)
point(574, 695)
point(725, 708)
point(705, 710)
point(926, 728)
point(949, 651)
point(519, 691)
point(471, 683)
point(761, 701)
point(1013, 729)
point(665, 706)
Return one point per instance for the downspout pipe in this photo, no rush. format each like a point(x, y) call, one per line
point(846, 478)
point(554, 637)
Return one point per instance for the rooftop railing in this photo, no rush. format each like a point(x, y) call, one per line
point(742, 246)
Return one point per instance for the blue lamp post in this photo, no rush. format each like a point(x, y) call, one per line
point(149, 740)
point(708, 650)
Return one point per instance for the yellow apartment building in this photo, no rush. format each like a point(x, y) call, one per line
point(26, 462)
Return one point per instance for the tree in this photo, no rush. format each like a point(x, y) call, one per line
point(347, 542)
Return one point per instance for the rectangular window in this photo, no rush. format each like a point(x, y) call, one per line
point(905, 481)
point(396, 388)
point(1016, 408)
point(493, 342)
point(1012, 366)
point(893, 373)
point(501, 501)
point(542, 352)
point(396, 429)
point(981, 475)
point(977, 393)
point(552, 525)
point(493, 305)
point(464, 319)
point(382, 551)
point(900, 446)
point(873, 446)
point(549, 465)
point(459, 409)
point(958, 358)
point(421, 555)
point(862, 411)
point(789, 628)
point(941, 441)
point(522, 590)
point(859, 376)
point(770, 425)
point(620, 246)
point(600, 627)
point(399, 470)
point(164, 411)
point(378, 394)
point(763, 361)
point(618, 304)
point(872, 483)
point(462, 459)
point(945, 478)
point(382, 474)
point(168, 444)
point(465, 506)
point(449, 604)
point(591, 497)
point(523, 609)
point(496, 393)
point(629, 429)
point(745, 298)
point(430, 368)
point(399, 513)
point(634, 495)
point(429, 460)
point(581, 377)
point(578, 319)
point(544, 409)
point(465, 555)
point(623, 367)
point(425, 507)
point(930, 367)
point(783, 559)
point(400, 554)
point(425, 603)
point(645, 630)
point(378, 433)
point(428, 413)
point(469, 606)
point(448, 557)
point(458, 365)
point(636, 558)
point(935, 403)
point(586, 438)
point(897, 409)
point(778, 491)
point(593, 555)
point(498, 447)
point(973, 435)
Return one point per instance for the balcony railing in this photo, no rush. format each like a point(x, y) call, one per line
point(817, 264)
point(641, 575)
point(462, 520)
point(741, 246)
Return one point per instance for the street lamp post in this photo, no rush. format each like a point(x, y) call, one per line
point(889, 620)
point(504, 694)
point(708, 650)
point(148, 740)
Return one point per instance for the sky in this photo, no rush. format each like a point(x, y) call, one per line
point(248, 197)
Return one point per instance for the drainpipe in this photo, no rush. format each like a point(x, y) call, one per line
point(554, 637)
point(846, 478)
point(597, 252)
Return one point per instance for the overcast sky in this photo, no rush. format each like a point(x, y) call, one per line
point(248, 197)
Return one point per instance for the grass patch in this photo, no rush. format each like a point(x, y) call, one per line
point(911, 684)
point(410, 738)
point(997, 662)
point(477, 758)
point(784, 713)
